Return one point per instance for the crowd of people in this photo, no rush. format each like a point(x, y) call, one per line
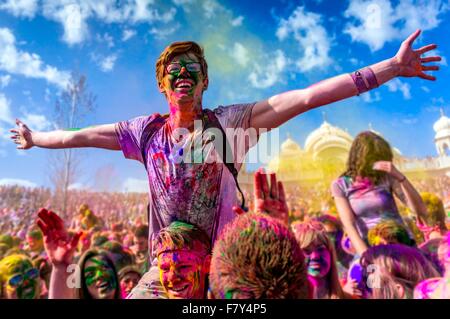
point(272, 252)
point(373, 235)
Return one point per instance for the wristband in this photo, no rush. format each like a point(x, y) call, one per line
point(359, 82)
point(370, 77)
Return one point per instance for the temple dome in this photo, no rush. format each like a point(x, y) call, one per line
point(327, 137)
point(442, 126)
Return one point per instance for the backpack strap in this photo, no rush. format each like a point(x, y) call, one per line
point(210, 120)
point(152, 127)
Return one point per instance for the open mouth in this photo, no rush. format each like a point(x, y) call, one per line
point(179, 289)
point(103, 285)
point(184, 84)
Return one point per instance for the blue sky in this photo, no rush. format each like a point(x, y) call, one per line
point(254, 50)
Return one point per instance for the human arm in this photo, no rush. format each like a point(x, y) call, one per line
point(280, 108)
point(347, 217)
point(60, 250)
point(101, 136)
point(408, 194)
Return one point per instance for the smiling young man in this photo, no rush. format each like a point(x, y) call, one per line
point(183, 253)
point(187, 179)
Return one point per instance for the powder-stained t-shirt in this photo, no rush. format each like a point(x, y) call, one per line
point(186, 183)
point(370, 203)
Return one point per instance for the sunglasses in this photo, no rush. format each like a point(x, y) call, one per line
point(17, 280)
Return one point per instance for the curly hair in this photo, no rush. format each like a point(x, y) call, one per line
point(390, 231)
point(367, 148)
point(257, 257)
point(313, 231)
point(175, 49)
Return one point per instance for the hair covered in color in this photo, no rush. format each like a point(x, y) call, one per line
point(389, 231)
point(396, 264)
point(256, 257)
point(313, 232)
point(181, 236)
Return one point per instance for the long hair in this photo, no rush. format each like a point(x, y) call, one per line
point(394, 264)
point(311, 232)
point(367, 148)
point(83, 292)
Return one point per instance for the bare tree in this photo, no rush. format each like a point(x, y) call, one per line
point(72, 107)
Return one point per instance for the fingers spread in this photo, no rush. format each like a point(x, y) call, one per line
point(409, 41)
point(427, 77)
point(258, 192)
point(430, 68)
point(426, 48)
point(281, 195)
point(431, 59)
point(273, 186)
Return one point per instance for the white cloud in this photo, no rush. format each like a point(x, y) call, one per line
point(36, 122)
point(210, 7)
point(27, 64)
point(311, 36)
point(4, 80)
point(375, 22)
point(269, 74)
point(240, 54)
point(410, 121)
point(5, 111)
point(73, 14)
point(105, 63)
point(369, 98)
point(425, 89)
point(397, 85)
point(134, 185)
point(162, 33)
point(128, 34)
point(237, 22)
point(20, 8)
point(16, 181)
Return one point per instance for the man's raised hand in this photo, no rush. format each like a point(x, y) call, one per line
point(22, 136)
point(410, 61)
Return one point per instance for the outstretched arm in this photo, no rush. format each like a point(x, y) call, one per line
point(102, 136)
point(280, 108)
point(60, 250)
point(408, 195)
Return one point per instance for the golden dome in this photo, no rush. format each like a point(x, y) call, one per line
point(325, 137)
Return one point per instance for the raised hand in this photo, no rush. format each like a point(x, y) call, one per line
point(389, 168)
point(22, 136)
point(411, 62)
point(270, 200)
point(59, 247)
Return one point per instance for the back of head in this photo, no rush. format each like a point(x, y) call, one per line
point(393, 265)
point(141, 231)
point(389, 232)
point(435, 211)
point(257, 257)
point(367, 148)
